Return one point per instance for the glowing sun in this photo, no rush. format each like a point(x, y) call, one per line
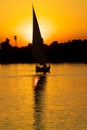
point(25, 28)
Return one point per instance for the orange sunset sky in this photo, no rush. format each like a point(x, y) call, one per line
point(60, 20)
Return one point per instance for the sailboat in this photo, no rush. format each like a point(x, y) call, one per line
point(38, 47)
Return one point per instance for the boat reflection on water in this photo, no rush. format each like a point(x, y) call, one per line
point(39, 103)
point(39, 82)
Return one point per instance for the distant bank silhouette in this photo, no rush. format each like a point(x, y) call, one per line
point(71, 51)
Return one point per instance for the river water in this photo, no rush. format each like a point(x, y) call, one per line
point(53, 101)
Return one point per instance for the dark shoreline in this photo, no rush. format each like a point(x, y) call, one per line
point(74, 51)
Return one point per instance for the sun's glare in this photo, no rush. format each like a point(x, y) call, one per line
point(25, 28)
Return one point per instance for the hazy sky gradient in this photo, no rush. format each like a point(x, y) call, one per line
point(60, 20)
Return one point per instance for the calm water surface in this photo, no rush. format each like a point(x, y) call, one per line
point(53, 101)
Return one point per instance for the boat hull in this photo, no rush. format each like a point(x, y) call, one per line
point(42, 69)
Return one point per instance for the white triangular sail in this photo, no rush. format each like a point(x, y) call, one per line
point(38, 48)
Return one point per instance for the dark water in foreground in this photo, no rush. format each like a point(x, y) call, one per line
point(56, 101)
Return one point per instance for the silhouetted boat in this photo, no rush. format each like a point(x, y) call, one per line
point(38, 47)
